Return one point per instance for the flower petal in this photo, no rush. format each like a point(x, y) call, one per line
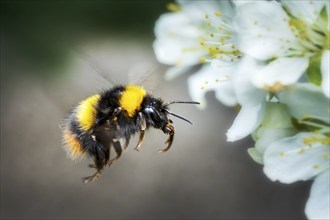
point(281, 72)
point(267, 136)
point(247, 120)
point(206, 80)
point(276, 124)
point(175, 71)
point(246, 92)
point(325, 71)
point(305, 100)
point(177, 40)
point(198, 9)
point(318, 203)
point(290, 159)
point(304, 10)
point(238, 3)
point(225, 93)
point(263, 30)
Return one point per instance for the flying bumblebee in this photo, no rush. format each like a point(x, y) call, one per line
point(109, 119)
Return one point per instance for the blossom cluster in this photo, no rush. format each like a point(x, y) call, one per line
point(270, 58)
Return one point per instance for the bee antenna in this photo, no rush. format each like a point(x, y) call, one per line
point(178, 116)
point(182, 102)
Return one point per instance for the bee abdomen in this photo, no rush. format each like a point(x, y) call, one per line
point(72, 145)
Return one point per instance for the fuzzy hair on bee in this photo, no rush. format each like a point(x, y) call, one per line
point(108, 120)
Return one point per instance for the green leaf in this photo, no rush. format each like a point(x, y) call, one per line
point(276, 116)
point(314, 70)
point(305, 100)
point(255, 155)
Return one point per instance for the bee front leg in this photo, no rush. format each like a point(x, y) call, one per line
point(141, 138)
point(142, 122)
point(169, 129)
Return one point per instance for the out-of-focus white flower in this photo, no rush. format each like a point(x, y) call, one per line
point(251, 99)
point(291, 39)
point(257, 54)
point(200, 32)
point(206, 80)
point(276, 124)
point(302, 157)
point(305, 155)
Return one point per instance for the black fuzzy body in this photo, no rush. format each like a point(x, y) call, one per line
point(113, 125)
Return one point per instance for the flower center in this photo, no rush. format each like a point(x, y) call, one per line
point(312, 38)
point(220, 43)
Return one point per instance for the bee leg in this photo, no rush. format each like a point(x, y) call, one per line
point(117, 146)
point(99, 163)
point(96, 175)
point(92, 178)
point(169, 129)
point(142, 122)
point(127, 139)
point(141, 138)
point(107, 155)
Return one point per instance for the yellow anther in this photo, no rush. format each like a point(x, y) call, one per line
point(305, 116)
point(275, 87)
point(217, 13)
point(173, 7)
point(316, 166)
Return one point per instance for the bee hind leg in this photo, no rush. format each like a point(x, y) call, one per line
point(118, 149)
point(99, 163)
point(96, 175)
point(93, 177)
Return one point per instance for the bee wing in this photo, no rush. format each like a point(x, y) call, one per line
point(98, 69)
point(145, 75)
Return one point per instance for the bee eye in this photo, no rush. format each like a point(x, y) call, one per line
point(149, 110)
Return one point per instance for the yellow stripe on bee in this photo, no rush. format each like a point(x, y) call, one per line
point(131, 99)
point(86, 112)
point(72, 145)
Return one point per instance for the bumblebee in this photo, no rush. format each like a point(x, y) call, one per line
point(109, 119)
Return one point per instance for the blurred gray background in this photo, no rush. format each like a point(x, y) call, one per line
point(56, 53)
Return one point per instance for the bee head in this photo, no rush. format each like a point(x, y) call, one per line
point(156, 112)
